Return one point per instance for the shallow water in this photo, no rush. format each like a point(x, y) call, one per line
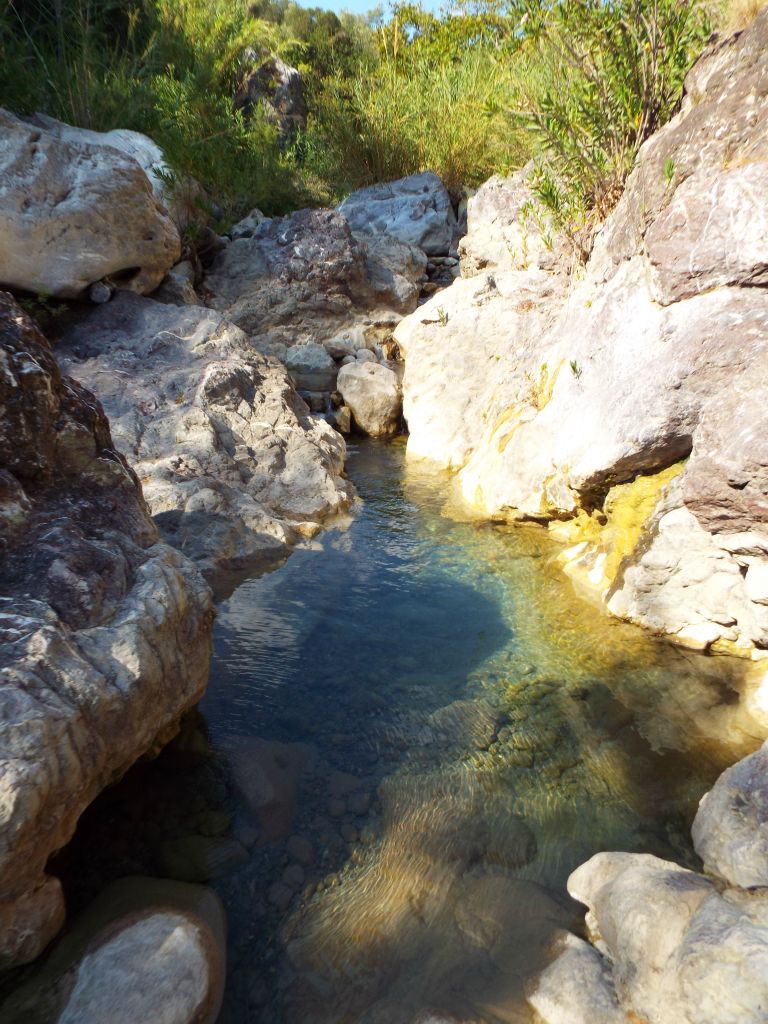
point(427, 703)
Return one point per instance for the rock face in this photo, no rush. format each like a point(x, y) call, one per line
point(278, 88)
point(680, 950)
point(580, 400)
point(146, 949)
point(730, 831)
point(73, 212)
point(106, 632)
point(233, 467)
point(372, 392)
point(416, 211)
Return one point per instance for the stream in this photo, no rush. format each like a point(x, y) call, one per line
point(416, 729)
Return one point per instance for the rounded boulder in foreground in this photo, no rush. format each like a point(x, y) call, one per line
point(373, 394)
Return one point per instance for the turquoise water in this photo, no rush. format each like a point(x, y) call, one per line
point(413, 732)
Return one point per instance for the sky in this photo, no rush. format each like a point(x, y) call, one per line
point(363, 6)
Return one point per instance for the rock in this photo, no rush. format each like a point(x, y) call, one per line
point(346, 343)
point(277, 88)
point(178, 286)
point(395, 271)
point(581, 401)
point(200, 858)
point(372, 393)
point(301, 850)
point(577, 987)
point(246, 227)
point(505, 227)
point(145, 950)
point(293, 876)
point(267, 774)
point(416, 211)
point(29, 923)
point(306, 278)
point(231, 462)
point(99, 293)
point(106, 632)
point(50, 241)
point(281, 896)
point(730, 831)
point(364, 355)
point(311, 367)
point(680, 950)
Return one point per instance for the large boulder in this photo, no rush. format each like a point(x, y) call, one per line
point(681, 951)
point(416, 211)
point(233, 467)
point(146, 949)
point(582, 399)
point(106, 632)
point(303, 278)
point(372, 393)
point(730, 831)
point(577, 987)
point(74, 211)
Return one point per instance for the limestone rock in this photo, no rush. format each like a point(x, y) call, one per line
point(730, 831)
point(571, 390)
point(505, 227)
point(106, 633)
point(680, 950)
point(577, 987)
point(146, 949)
point(415, 210)
point(73, 212)
point(372, 392)
point(311, 367)
point(231, 462)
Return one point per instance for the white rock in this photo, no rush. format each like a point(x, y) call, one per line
point(416, 211)
point(577, 987)
point(372, 392)
point(72, 213)
point(311, 367)
point(730, 831)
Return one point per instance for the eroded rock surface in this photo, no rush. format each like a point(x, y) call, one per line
point(547, 393)
point(106, 632)
point(233, 467)
point(372, 393)
point(74, 211)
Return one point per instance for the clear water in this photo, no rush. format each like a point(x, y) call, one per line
point(451, 730)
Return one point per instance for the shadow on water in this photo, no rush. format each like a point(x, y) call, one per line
point(414, 730)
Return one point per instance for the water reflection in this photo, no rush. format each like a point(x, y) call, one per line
point(417, 730)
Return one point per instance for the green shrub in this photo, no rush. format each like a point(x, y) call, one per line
point(595, 78)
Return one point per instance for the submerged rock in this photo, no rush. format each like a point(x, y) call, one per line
point(572, 388)
point(233, 466)
point(51, 181)
point(106, 632)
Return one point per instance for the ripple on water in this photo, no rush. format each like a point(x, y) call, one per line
point(450, 730)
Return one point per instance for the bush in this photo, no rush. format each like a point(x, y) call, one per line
point(595, 79)
point(444, 117)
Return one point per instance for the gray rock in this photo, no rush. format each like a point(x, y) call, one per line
point(50, 242)
point(233, 466)
point(275, 87)
point(245, 228)
point(730, 831)
point(372, 393)
point(106, 632)
point(311, 367)
point(416, 211)
point(178, 286)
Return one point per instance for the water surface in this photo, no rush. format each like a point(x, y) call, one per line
point(417, 730)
